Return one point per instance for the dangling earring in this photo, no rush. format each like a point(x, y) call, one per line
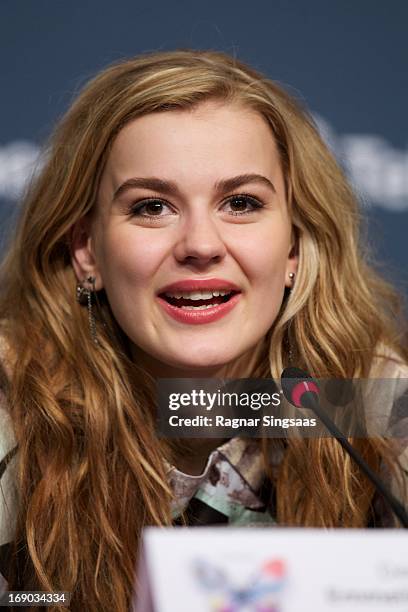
point(292, 276)
point(85, 296)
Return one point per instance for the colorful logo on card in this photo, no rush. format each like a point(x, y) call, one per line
point(260, 591)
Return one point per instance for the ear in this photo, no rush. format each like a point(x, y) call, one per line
point(82, 252)
point(293, 259)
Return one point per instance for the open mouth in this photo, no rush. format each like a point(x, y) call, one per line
point(198, 300)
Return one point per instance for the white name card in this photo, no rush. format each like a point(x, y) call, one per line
point(272, 570)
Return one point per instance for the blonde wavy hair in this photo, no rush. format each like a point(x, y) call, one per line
point(91, 471)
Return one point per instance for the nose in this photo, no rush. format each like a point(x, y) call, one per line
point(200, 241)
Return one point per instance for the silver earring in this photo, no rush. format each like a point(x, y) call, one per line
point(289, 347)
point(84, 296)
point(292, 276)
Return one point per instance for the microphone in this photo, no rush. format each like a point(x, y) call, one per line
point(302, 391)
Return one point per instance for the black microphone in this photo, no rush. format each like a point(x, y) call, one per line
point(302, 391)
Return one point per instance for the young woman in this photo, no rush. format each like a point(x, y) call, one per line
point(188, 222)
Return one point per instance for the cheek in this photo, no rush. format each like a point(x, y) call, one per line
point(129, 257)
point(264, 262)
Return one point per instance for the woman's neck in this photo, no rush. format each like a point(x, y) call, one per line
point(193, 459)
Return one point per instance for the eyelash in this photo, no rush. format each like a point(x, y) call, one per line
point(135, 210)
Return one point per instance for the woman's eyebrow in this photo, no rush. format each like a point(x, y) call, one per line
point(230, 184)
point(152, 183)
point(170, 188)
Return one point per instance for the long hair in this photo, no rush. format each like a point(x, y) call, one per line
point(91, 470)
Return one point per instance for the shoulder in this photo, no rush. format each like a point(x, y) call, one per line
point(387, 363)
point(386, 395)
point(389, 398)
point(386, 389)
point(386, 392)
point(8, 462)
point(8, 490)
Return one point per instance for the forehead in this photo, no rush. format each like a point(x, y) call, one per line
point(211, 138)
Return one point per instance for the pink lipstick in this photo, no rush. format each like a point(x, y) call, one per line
point(198, 301)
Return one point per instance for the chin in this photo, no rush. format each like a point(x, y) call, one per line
point(200, 362)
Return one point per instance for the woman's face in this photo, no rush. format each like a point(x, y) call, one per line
point(191, 204)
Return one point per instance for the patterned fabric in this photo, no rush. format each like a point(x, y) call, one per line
point(3, 586)
point(8, 462)
point(230, 485)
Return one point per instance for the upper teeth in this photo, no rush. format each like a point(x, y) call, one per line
point(196, 295)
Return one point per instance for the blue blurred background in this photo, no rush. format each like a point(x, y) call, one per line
point(347, 61)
